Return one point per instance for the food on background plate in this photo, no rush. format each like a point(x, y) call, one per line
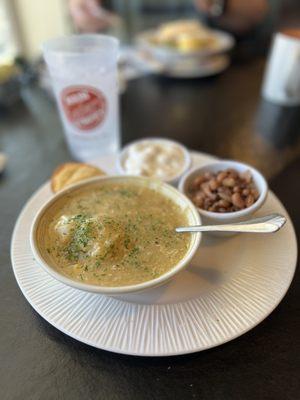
point(70, 173)
point(160, 159)
point(188, 43)
point(115, 234)
point(184, 35)
point(224, 191)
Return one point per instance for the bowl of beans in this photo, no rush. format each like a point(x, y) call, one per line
point(225, 191)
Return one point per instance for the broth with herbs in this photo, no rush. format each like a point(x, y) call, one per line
point(115, 234)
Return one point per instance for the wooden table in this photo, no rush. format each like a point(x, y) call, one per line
point(223, 116)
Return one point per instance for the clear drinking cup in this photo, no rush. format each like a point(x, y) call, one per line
point(83, 69)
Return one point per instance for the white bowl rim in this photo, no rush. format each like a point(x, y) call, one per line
point(227, 164)
point(186, 153)
point(113, 290)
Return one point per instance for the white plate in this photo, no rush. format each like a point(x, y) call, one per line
point(185, 69)
point(231, 286)
point(213, 66)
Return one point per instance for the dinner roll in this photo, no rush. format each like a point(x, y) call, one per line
point(70, 173)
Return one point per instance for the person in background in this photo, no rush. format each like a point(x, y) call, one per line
point(252, 22)
point(238, 16)
point(90, 16)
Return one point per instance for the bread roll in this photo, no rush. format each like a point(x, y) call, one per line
point(70, 173)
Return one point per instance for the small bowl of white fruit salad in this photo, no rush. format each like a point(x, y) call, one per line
point(158, 158)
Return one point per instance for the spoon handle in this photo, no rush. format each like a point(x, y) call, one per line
point(269, 223)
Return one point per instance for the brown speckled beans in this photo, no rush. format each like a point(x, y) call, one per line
point(224, 191)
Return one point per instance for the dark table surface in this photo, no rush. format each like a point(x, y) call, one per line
point(223, 116)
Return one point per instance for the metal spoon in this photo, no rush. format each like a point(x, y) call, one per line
point(269, 223)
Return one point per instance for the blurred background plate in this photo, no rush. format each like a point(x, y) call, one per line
point(210, 66)
point(166, 54)
point(137, 63)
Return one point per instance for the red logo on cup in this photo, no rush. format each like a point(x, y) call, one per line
point(85, 107)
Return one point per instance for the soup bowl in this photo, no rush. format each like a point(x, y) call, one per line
point(42, 220)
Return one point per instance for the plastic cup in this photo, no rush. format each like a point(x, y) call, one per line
point(83, 69)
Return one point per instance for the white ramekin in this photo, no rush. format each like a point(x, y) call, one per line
point(175, 179)
point(44, 261)
point(209, 217)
